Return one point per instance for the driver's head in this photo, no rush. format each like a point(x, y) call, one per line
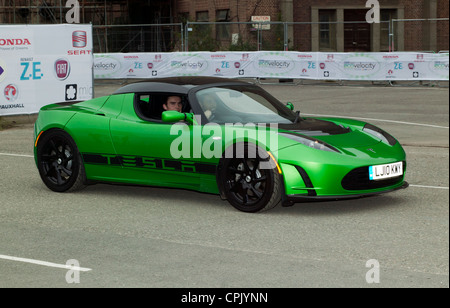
point(173, 103)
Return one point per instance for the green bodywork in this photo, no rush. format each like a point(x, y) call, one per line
point(118, 146)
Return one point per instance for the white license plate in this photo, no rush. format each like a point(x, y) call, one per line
point(380, 172)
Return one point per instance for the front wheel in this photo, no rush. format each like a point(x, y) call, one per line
point(251, 184)
point(59, 162)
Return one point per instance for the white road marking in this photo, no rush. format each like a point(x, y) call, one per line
point(44, 263)
point(425, 186)
point(369, 119)
point(16, 155)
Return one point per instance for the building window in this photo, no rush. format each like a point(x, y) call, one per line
point(183, 17)
point(386, 18)
point(327, 30)
point(222, 31)
point(202, 16)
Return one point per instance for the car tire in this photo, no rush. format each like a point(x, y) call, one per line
point(59, 162)
point(247, 184)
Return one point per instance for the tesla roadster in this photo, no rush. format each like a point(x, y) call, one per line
point(230, 138)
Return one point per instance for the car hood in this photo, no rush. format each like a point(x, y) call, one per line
point(334, 134)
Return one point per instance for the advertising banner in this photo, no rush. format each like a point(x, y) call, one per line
point(44, 64)
point(275, 64)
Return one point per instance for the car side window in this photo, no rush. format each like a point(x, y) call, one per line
point(150, 106)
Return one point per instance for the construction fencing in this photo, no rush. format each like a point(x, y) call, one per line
point(423, 35)
point(394, 66)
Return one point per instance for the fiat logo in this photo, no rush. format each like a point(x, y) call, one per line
point(62, 69)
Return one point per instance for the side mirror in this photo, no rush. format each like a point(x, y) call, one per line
point(172, 116)
point(290, 106)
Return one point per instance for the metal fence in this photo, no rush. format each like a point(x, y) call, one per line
point(235, 36)
point(430, 35)
point(138, 38)
point(298, 36)
point(396, 35)
point(352, 36)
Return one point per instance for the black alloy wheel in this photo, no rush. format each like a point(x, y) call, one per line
point(59, 162)
point(249, 185)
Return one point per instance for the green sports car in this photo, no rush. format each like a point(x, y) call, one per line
point(214, 135)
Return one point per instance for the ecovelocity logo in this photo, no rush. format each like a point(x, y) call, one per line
point(188, 65)
point(262, 63)
point(106, 66)
point(274, 63)
point(360, 66)
point(440, 65)
point(194, 65)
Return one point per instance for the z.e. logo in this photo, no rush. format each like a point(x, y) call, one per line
point(31, 71)
point(398, 66)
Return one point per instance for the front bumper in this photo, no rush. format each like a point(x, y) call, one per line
point(289, 200)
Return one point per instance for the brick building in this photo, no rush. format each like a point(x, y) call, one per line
point(425, 35)
point(303, 25)
point(336, 25)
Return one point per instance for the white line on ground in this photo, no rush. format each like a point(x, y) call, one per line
point(16, 155)
point(369, 119)
point(44, 263)
point(425, 186)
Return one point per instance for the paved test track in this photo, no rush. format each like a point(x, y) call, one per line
point(153, 237)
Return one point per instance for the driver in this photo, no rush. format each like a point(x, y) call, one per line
point(173, 103)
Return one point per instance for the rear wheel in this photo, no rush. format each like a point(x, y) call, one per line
point(251, 183)
point(59, 162)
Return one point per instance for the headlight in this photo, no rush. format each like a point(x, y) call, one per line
point(311, 142)
point(380, 134)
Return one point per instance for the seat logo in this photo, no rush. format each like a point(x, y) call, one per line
point(79, 39)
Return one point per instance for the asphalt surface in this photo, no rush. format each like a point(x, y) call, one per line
point(123, 236)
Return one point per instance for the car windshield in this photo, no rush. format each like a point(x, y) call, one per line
point(242, 104)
